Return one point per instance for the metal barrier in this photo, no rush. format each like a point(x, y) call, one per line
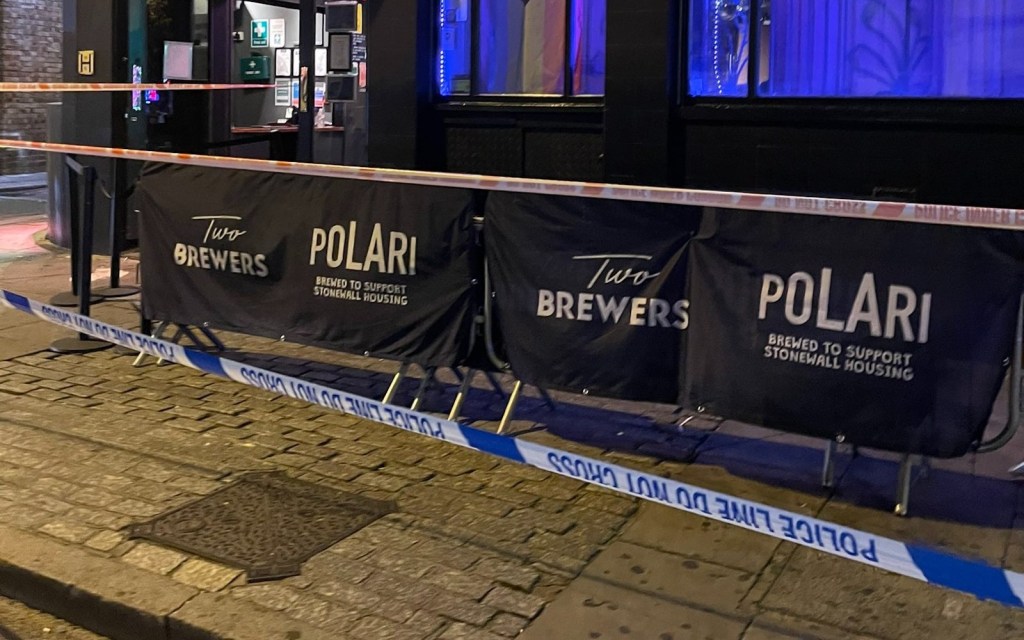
point(979, 217)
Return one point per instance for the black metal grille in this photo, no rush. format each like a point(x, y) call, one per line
point(265, 523)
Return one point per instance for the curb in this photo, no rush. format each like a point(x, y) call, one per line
point(123, 602)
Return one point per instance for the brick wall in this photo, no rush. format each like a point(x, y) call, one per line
point(30, 51)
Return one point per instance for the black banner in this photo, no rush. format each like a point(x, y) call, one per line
point(590, 293)
point(892, 335)
point(370, 267)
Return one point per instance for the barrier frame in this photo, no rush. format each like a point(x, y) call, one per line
point(976, 217)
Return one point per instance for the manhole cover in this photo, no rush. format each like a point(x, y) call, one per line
point(265, 523)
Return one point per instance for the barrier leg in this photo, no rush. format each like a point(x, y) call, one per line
point(828, 470)
point(905, 481)
point(212, 337)
point(145, 328)
point(460, 397)
point(157, 333)
point(494, 383)
point(428, 376)
point(510, 408)
point(176, 338)
point(548, 400)
point(403, 371)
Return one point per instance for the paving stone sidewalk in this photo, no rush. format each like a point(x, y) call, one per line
point(478, 548)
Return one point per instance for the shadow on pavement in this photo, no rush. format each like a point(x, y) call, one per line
point(867, 480)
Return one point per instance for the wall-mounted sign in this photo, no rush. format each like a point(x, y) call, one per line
point(86, 63)
point(320, 62)
point(277, 32)
point(282, 92)
point(358, 47)
point(283, 63)
point(320, 89)
point(260, 33)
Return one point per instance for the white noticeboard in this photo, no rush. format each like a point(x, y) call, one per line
point(277, 27)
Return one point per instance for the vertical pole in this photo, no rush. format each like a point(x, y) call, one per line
point(828, 470)
point(307, 109)
point(906, 477)
point(85, 252)
point(70, 299)
point(222, 21)
point(116, 206)
point(74, 220)
point(84, 343)
point(118, 220)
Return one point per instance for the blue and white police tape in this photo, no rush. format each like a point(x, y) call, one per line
point(915, 561)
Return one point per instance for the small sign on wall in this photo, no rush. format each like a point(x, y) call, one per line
point(260, 33)
point(277, 29)
point(87, 63)
point(282, 92)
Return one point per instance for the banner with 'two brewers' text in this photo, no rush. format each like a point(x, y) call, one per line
point(377, 268)
point(591, 294)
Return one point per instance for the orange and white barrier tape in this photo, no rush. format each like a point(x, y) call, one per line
point(952, 215)
point(93, 87)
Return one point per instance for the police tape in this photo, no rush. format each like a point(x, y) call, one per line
point(107, 87)
point(911, 560)
point(952, 215)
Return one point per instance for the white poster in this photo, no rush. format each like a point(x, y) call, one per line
point(283, 93)
point(320, 66)
point(283, 63)
point(296, 65)
point(277, 33)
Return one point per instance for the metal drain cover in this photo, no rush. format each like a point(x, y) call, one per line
point(265, 523)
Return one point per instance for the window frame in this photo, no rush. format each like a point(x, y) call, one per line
point(565, 99)
point(754, 107)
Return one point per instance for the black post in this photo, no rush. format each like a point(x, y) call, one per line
point(85, 253)
point(307, 91)
point(118, 214)
point(70, 298)
point(116, 203)
point(222, 21)
point(83, 343)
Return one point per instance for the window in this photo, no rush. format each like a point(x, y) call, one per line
point(525, 47)
point(858, 48)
